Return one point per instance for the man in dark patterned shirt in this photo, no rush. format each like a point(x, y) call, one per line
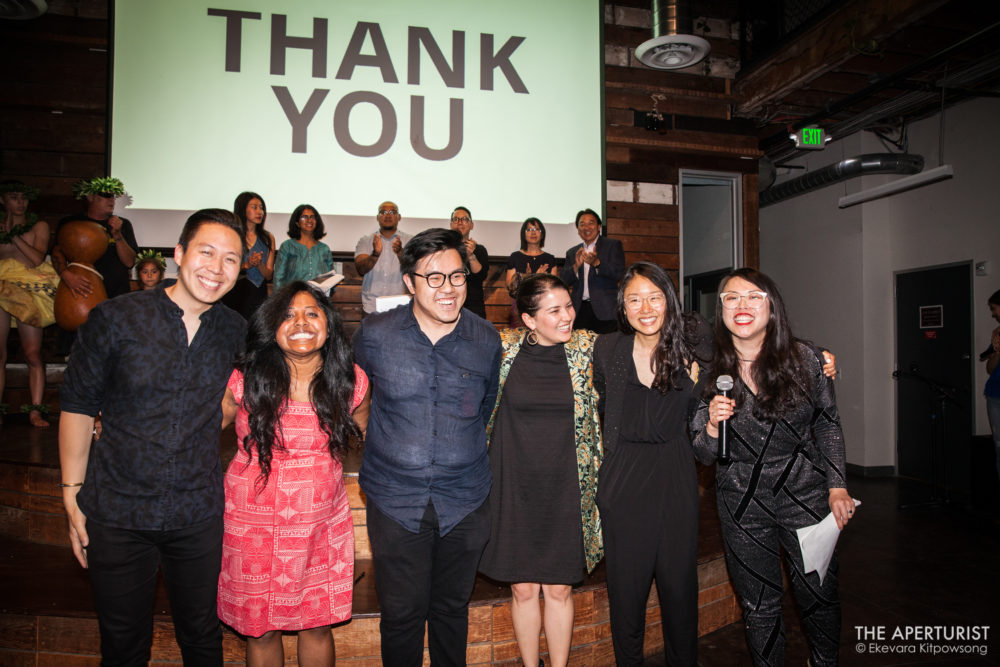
point(149, 491)
point(434, 371)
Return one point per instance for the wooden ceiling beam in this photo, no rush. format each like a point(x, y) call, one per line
point(825, 47)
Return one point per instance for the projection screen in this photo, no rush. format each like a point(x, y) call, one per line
point(496, 106)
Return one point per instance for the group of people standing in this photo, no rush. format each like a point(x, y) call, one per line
point(483, 451)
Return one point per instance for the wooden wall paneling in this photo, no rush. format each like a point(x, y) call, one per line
point(641, 167)
point(665, 81)
point(683, 141)
point(652, 244)
point(751, 221)
point(670, 104)
point(630, 210)
point(48, 163)
point(639, 227)
point(659, 161)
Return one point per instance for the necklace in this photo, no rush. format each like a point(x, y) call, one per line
point(30, 219)
point(746, 361)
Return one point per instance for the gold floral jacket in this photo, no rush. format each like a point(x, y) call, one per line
point(586, 426)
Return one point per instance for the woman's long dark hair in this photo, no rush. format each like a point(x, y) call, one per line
point(778, 371)
point(243, 200)
point(266, 379)
point(672, 353)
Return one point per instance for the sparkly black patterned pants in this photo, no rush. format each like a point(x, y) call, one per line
point(759, 518)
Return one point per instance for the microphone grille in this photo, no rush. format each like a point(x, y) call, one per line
point(724, 382)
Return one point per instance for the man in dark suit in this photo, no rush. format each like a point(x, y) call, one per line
point(592, 270)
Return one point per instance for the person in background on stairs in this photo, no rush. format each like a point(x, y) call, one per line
point(150, 268)
point(27, 288)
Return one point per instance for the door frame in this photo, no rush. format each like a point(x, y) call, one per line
point(736, 207)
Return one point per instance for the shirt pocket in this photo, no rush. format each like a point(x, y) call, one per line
point(464, 388)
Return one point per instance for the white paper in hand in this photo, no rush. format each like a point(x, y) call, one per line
point(325, 282)
point(818, 542)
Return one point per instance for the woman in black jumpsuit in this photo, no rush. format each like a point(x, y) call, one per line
point(648, 488)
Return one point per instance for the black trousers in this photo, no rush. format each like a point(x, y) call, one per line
point(123, 565)
point(649, 516)
point(425, 577)
point(586, 319)
point(754, 535)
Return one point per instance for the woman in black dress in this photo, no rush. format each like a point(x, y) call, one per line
point(545, 451)
point(648, 491)
point(786, 470)
point(526, 261)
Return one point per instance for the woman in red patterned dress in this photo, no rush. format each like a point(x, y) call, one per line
point(288, 550)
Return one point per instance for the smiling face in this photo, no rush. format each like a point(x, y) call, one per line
point(588, 228)
point(437, 308)
point(462, 222)
point(208, 268)
point(743, 321)
point(553, 321)
point(645, 306)
point(307, 221)
point(303, 332)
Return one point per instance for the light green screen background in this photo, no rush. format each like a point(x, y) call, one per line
point(186, 134)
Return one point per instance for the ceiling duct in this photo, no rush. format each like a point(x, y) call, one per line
point(862, 165)
point(673, 45)
point(22, 9)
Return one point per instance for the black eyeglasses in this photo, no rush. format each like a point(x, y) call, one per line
point(436, 279)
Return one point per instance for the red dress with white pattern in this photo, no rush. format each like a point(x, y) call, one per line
point(287, 550)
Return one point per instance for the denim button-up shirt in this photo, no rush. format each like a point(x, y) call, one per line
point(426, 436)
point(156, 466)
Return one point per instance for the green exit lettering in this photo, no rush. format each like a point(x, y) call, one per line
point(812, 136)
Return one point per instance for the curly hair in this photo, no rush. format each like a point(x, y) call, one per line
point(779, 371)
point(267, 380)
point(673, 353)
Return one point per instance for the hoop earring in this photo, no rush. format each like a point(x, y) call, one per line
point(531, 337)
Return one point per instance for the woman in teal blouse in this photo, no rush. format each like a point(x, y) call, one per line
point(302, 256)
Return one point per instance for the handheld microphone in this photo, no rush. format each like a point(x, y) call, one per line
point(723, 383)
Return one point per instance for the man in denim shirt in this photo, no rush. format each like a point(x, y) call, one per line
point(434, 370)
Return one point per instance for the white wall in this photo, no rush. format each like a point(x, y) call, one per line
point(835, 266)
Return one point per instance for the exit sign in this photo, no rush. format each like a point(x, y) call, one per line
point(810, 138)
